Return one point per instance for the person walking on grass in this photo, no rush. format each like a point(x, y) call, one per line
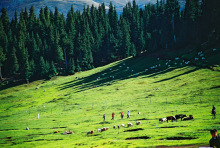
point(122, 115)
point(104, 117)
point(215, 141)
point(214, 111)
point(128, 115)
point(113, 116)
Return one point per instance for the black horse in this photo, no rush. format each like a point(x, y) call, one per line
point(214, 113)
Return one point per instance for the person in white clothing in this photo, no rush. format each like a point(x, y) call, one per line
point(128, 115)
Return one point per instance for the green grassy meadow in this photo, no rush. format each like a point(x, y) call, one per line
point(78, 102)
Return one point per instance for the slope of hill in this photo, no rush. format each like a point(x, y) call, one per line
point(159, 85)
point(65, 5)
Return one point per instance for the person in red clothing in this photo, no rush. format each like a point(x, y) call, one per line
point(113, 116)
point(122, 115)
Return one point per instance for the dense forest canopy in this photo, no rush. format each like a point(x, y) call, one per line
point(36, 47)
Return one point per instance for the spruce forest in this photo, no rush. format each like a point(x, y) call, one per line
point(38, 47)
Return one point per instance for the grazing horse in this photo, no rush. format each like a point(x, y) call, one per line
point(214, 113)
point(180, 116)
point(171, 118)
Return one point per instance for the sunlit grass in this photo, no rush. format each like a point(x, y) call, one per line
point(69, 103)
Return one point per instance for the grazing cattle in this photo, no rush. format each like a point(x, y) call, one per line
point(104, 129)
point(188, 118)
point(90, 132)
point(122, 125)
point(68, 132)
point(56, 132)
point(138, 122)
point(130, 124)
point(114, 126)
point(162, 119)
point(27, 128)
point(118, 126)
point(180, 116)
point(139, 113)
point(99, 130)
point(171, 118)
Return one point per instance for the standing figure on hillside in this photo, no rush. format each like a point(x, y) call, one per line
point(104, 117)
point(214, 111)
point(215, 141)
point(122, 115)
point(113, 116)
point(128, 115)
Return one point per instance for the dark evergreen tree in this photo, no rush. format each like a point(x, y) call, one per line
point(2, 59)
point(26, 71)
point(52, 70)
point(58, 52)
point(5, 20)
point(133, 50)
point(191, 13)
point(71, 66)
point(47, 16)
point(42, 68)
point(125, 40)
point(14, 66)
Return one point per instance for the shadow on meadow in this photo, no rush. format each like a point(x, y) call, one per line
point(126, 69)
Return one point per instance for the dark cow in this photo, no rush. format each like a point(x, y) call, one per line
point(180, 116)
point(188, 118)
point(171, 118)
point(90, 132)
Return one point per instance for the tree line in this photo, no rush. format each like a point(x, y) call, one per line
point(35, 47)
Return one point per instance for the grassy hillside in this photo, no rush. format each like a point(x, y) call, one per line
point(77, 103)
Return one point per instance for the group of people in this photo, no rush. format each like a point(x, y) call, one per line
point(122, 115)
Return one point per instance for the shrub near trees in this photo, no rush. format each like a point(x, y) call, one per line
point(32, 47)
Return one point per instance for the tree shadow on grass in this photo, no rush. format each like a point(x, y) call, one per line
point(125, 69)
point(187, 72)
